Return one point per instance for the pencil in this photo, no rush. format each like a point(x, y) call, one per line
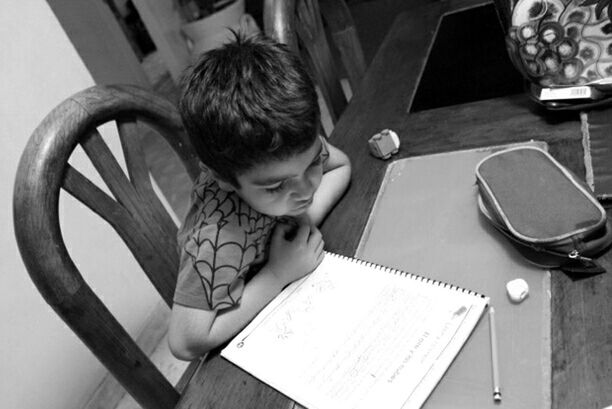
point(494, 361)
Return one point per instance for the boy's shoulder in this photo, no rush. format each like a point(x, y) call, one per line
point(223, 214)
point(221, 240)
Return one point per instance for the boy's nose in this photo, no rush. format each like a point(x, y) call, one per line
point(305, 189)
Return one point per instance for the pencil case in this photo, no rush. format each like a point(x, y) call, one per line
point(546, 212)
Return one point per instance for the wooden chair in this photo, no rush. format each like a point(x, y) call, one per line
point(300, 24)
point(137, 215)
point(139, 218)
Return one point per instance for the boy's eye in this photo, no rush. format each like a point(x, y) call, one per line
point(276, 189)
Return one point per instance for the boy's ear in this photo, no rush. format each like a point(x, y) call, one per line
point(223, 184)
point(227, 186)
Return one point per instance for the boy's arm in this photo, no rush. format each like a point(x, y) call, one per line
point(336, 177)
point(194, 332)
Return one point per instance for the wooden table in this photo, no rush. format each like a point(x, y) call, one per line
point(581, 309)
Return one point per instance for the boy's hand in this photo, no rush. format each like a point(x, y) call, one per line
point(303, 218)
point(294, 257)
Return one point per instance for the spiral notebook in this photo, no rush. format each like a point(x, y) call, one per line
point(354, 334)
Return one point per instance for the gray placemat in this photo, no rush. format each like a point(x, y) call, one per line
point(426, 221)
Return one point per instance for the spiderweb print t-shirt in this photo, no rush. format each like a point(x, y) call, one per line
point(221, 241)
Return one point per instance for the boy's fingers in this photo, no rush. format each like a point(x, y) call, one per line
point(315, 235)
point(303, 219)
point(303, 232)
point(280, 230)
point(319, 248)
point(320, 258)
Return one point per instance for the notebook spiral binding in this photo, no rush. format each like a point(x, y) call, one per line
point(407, 274)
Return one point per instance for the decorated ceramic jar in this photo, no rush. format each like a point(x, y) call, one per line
point(561, 42)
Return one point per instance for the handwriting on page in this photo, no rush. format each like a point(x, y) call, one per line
point(284, 327)
point(362, 337)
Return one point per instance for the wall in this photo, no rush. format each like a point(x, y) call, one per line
point(102, 45)
point(43, 364)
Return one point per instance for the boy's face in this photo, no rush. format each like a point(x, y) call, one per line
point(285, 187)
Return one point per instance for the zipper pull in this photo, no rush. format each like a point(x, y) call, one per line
point(581, 265)
point(575, 255)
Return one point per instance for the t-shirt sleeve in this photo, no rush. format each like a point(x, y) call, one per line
point(324, 152)
point(213, 263)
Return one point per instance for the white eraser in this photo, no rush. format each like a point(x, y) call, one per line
point(517, 289)
point(384, 144)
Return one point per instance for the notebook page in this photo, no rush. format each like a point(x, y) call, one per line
point(353, 336)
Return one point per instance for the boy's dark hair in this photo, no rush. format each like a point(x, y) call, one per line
point(246, 103)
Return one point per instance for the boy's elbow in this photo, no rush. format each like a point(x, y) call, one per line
point(187, 344)
point(349, 168)
point(347, 171)
point(346, 168)
point(183, 350)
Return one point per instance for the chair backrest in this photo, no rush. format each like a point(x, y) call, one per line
point(135, 212)
point(301, 24)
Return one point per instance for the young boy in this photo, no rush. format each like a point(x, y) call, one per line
point(268, 179)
